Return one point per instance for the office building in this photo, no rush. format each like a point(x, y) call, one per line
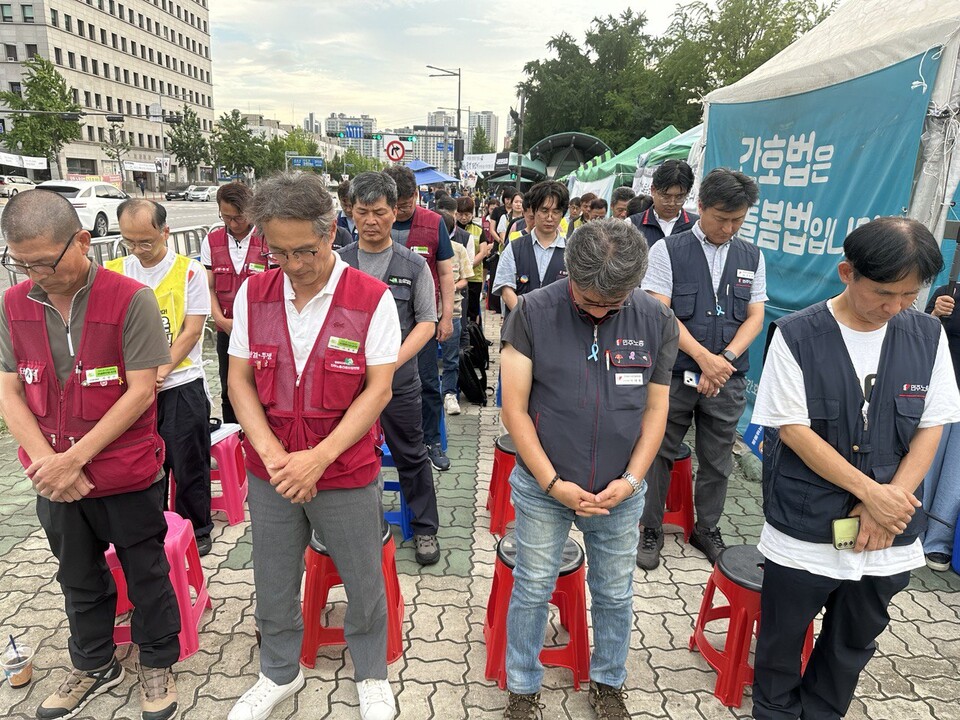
point(353, 128)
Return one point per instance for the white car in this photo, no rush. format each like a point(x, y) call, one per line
point(10, 185)
point(95, 202)
point(203, 193)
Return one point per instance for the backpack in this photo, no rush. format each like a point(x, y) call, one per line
point(479, 346)
point(472, 379)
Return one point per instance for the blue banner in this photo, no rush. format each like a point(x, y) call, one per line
point(826, 161)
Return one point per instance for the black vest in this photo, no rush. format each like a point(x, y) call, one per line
point(646, 223)
point(796, 500)
point(403, 272)
point(588, 413)
point(693, 300)
point(528, 275)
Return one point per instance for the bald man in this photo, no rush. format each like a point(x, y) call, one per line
point(79, 353)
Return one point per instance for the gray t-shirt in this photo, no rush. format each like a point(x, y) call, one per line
point(516, 332)
point(424, 298)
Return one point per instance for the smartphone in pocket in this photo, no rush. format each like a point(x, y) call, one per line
point(845, 532)
point(690, 378)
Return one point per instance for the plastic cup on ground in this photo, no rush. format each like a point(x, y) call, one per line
point(18, 665)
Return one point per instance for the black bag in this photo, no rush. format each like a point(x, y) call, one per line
point(479, 346)
point(472, 379)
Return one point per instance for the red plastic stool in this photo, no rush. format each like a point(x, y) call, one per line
point(738, 574)
point(569, 598)
point(186, 574)
point(321, 576)
point(498, 499)
point(230, 472)
point(680, 495)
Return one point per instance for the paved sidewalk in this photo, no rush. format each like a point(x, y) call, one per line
point(440, 677)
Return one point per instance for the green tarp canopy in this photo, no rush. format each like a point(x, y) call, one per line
point(624, 165)
point(676, 148)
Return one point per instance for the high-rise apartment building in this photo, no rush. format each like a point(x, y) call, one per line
point(491, 127)
point(119, 58)
point(353, 128)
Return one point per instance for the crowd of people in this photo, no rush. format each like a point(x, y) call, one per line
point(624, 325)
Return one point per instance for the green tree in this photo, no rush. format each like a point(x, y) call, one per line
point(234, 146)
point(116, 145)
point(481, 143)
point(186, 141)
point(43, 88)
point(273, 159)
point(352, 163)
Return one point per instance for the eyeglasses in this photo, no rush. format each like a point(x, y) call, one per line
point(672, 199)
point(406, 205)
point(550, 212)
point(38, 269)
point(141, 245)
point(611, 308)
point(230, 219)
point(279, 258)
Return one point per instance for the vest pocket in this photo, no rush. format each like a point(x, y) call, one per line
point(909, 412)
point(34, 378)
point(263, 358)
point(222, 279)
point(684, 300)
point(97, 399)
point(118, 468)
point(343, 375)
point(825, 419)
point(806, 502)
point(741, 299)
point(626, 380)
point(401, 293)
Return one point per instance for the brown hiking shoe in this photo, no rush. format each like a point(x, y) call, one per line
point(158, 693)
point(78, 688)
point(608, 702)
point(523, 707)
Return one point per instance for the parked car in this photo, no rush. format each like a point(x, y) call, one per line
point(10, 185)
point(179, 192)
point(95, 202)
point(203, 193)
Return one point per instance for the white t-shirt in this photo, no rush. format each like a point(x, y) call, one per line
point(238, 250)
point(198, 303)
point(666, 225)
point(782, 400)
point(383, 335)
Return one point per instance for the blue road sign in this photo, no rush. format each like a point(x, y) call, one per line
point(449, 147)
point(354, 131)
point(304, 161)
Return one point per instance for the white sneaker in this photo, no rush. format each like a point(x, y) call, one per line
point(376, 700)
point(259, 701)
point(450, 404)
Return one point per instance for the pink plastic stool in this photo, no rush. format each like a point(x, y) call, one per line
point(185, 573)
point(230, 472)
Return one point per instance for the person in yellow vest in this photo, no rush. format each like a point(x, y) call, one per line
point(183, 404)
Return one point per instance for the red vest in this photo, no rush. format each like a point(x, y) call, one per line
point(65, 414)
point(302, 412)
point(226, 280)
point(424, 239)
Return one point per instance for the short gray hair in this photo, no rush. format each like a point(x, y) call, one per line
point(293, 196)
point(606, 257)
point(368, 187)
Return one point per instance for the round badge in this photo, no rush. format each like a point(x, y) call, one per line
point(524, 279)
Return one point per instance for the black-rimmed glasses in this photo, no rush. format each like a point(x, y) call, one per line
point(38, 269)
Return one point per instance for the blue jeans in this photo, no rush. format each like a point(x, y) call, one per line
point(451, 360)
point(542, 527)
point(941, 492)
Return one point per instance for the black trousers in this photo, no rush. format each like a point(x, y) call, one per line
point(474, 290)
point(79, 533)
point(855, 615)
point(223, 359)
point(183, 419)
point(403, 432)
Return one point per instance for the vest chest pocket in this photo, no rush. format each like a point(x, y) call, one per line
point(343, 375)
point(33, 375)
point(401, 292)
point(96, 398)
point(909, 410)
point(223, 279)
point(625, 383)
point(741, 299)
point(684, 300)
point(263, 358)
point(825, 419)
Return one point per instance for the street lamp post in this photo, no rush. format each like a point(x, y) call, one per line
point(441, 72)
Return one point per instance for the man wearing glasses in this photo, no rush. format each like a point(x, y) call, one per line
point(672, 182)
point(586, 364)
point(313, 350)
point(230, 254)
point(535, 259)
point(716, 285)
point(183, 406)
point(79, 353)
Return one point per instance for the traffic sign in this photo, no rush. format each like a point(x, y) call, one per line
point(395, 151)
point(307, 161)
point(440, 147)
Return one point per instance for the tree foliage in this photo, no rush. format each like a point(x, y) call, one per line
point(352, 163)
point(481, 143)
point(273, 158)
point(42, 88)
point(623, 83)
point(116, 145)
point(234, 146)
point(187, 142)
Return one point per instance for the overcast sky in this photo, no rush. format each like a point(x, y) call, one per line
point(286, 58)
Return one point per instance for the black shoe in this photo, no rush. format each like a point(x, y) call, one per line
point(648, 551)
point(938, 562)
point(78, 688)
point(437, 457)
point(204, 545)
point(523, 707)
point(428, 549)
point(709, 542)
point(609, 703)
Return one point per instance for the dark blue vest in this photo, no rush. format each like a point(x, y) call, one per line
point(693, 300)
point(796, 500)
point(646, 223)
point(528, 275)
point(588, 413)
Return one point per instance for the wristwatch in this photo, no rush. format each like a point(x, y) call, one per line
point(728, 356)
point(634, 483)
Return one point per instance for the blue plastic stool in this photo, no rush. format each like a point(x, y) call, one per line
point(404, 516)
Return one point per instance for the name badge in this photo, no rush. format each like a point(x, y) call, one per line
point(421, 249)
point(745, 274)
point(629, 378)
point(350, 346)
point(102, 375)
point(256, 267)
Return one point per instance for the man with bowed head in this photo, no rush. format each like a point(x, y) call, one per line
point(312, 356)
point(574, 401)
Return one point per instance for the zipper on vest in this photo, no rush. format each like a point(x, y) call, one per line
point(596, 416)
